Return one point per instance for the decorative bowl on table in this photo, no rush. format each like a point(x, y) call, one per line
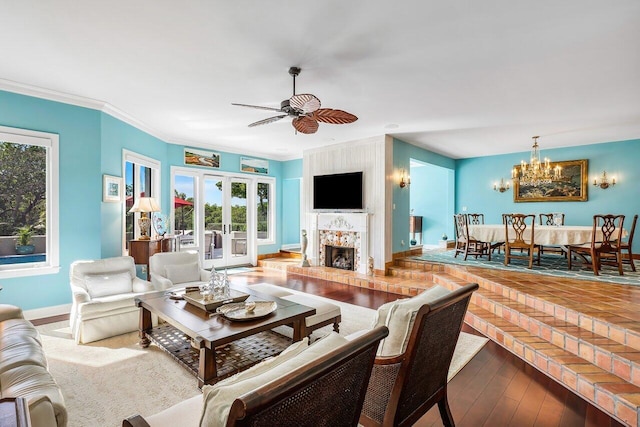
point(211, 304)
point(246, 311)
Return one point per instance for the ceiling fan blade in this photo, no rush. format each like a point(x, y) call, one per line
point(305, 103)
point(267, 121)
point(305, 124)
point(258, 106)
point(336, 117)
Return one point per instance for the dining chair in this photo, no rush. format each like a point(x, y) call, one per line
point(628, 245)
point(519, 230)
point(476, 218)
point(467, 244)
point(607, 230)
point(548, 219)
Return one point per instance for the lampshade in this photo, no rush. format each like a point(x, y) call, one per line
point(145, 204)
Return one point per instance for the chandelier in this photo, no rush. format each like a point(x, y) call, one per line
point(536, 172)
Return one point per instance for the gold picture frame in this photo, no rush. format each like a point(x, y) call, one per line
point(571, 188)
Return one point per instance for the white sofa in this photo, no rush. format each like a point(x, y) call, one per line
point(171, 270)
point(104, 293)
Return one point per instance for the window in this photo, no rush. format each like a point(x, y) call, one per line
point(184, 187)
point(28, 203)
point(141, 179)
point(264, 211)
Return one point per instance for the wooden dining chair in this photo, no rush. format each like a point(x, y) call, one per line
point(548, 219)
point(467, 244)
point(476, 218)
point(607, 230)
point(628, 245)
point(519, 232)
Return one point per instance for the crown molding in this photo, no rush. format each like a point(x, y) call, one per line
point(105, 107)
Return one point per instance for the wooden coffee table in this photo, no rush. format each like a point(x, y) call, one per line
point(211, 346)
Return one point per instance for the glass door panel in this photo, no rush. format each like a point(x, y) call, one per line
point(226, 242)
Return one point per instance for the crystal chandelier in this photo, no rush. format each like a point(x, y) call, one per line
point(536, 172)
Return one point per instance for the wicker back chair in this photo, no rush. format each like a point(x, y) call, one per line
point(403, 388)
point(330, 392)
point(467, 244)
point(607, 231)
point(519, 230)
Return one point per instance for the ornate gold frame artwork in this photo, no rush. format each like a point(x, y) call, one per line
point(570, 187)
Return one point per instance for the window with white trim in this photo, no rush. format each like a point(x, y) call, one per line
point(29, 240)
point(141, 179)
point(265, 212)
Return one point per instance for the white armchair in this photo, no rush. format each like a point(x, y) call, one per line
point(176, 270)
point(104, 293)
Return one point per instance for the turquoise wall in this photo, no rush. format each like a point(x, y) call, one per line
point(291, 184)
point(90, 145)
point(80, 192)
point(430, 186)
point(475, 178)
point(442, 186)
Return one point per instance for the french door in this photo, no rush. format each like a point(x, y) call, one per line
point(227, 236)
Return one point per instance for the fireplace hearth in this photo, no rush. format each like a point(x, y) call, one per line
point(339, 257)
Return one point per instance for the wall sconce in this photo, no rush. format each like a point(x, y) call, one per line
point(502, 187)
point(403, 182)
point(604, 181)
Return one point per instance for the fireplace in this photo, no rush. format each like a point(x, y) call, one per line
point(345, 232)
point(339, 257)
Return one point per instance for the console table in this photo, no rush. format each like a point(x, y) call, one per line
point(142, 250)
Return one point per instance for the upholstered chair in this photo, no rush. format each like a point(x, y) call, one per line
point(103, 292)
point(322, 384)
point(170, 270)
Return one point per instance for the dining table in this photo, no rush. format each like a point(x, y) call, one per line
point(547, 235)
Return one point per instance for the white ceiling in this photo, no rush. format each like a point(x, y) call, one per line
point(461, 78)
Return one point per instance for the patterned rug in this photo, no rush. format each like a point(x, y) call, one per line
point(550, 265)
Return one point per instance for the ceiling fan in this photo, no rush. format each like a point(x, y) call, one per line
point(305, 110)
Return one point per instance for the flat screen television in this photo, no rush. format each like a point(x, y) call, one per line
point(338, 191)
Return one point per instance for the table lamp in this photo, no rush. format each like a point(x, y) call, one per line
point(144, 205)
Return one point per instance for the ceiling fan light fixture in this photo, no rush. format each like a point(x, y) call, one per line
point(305, 110)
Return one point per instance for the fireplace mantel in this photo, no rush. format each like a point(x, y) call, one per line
point(343, 229)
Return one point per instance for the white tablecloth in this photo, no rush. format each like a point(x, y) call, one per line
point(548, 235)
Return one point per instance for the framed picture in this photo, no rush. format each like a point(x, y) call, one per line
point(204, 158)
point(571, 187)
point(111, 189)
point(254, 165)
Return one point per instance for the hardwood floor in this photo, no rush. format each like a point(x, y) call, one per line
point(495, 389)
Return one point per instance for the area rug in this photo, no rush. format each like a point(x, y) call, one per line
point(109, 380)
point(550, 265)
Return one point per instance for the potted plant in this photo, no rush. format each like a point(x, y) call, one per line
point(23, 244)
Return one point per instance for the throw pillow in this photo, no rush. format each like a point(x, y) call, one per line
point(400, 321)
point(219, 397)
point(182, 273)
point(105, 284)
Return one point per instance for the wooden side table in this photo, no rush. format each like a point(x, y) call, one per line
point(142, 250)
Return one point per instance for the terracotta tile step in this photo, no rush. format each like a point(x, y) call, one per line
point(605, 323)
point(610, 392)
point(409, 273)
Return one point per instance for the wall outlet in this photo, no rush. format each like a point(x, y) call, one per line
point(144, 269)
point(401, 242)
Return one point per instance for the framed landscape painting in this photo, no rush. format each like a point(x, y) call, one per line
point(204, 158)
point(571, 187)
point(254, 165)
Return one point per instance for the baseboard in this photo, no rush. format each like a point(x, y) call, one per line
point(40, 313)
point(290, 246)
